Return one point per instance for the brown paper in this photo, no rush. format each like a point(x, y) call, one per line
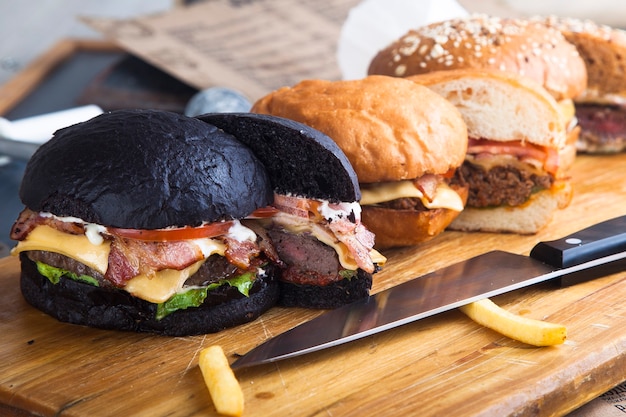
point(253, 46)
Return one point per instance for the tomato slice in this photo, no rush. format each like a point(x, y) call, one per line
point(184, 233)
point(522, 150)
point(179, 233)
point(263, 213)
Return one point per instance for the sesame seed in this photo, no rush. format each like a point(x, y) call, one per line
point(400, 70)
point(437, 51)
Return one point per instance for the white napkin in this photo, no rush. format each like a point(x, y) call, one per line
point(374, 24)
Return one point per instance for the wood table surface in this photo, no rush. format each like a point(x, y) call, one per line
point(442, 366)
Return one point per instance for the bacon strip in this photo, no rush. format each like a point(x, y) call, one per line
point(240, 253)
point(547, 157)
point(129, 258)
point(28, 220)
point(357, 239)
point(427, 184)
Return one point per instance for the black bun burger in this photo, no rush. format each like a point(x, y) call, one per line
point(150, 221)
point(326, 253)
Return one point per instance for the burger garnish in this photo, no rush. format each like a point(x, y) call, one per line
point(154, 265)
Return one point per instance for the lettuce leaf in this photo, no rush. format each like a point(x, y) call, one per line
point(54, 274)
point(194, 297)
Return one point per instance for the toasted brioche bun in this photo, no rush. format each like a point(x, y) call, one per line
point(523, 47)
point(503, 107)
point(390, 129)
point(382, 124)
point(526, 219)
point(397, 228)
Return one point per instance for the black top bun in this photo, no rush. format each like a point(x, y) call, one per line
point(109, 171)
point(299, 159)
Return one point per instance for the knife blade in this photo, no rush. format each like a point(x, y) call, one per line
point(587, 254)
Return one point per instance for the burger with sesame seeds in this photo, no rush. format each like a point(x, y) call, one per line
point(527, 48)
point(601, 109)
point(512, 167)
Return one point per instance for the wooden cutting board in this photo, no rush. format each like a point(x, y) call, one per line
point(445, 365)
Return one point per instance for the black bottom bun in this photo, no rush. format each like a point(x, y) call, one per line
point(327, 296)
point(80, 303)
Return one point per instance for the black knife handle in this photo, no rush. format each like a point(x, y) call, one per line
point(597, 241)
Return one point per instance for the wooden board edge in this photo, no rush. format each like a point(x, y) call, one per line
point(18, 87)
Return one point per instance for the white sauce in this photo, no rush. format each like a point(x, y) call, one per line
point(341, 210)
point(93, 231)
point(240, 232)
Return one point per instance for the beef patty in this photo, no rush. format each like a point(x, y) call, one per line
point(501, 185)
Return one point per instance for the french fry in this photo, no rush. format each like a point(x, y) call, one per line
point(524, 329)
point(219, 378)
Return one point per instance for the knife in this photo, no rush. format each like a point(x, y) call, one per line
point(596, 251)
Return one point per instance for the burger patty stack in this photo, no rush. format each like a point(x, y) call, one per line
point(404, 141)
point(152, 221)
point(512, 165)
point(507, 167)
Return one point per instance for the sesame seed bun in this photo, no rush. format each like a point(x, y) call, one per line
point(602, 48)
point(530, 49)
point(601, 108)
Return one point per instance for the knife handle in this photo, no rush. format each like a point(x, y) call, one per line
point(597, 241)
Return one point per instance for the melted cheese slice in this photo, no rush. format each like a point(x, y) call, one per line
point(445, 197)
point(156, 288)
point(74, 246)
point(161, 286)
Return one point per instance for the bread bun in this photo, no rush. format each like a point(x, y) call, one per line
point(601, 108)
point(528, 218)
point(396, 228)
point(110, 171)
point(530, 49)
point(299, 159)
point(389, 128)
point(500, 106)
point(603, 50)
